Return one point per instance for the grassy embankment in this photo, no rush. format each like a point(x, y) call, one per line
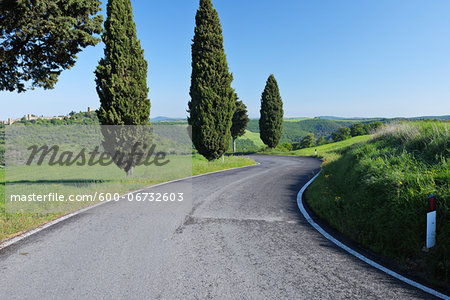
point(254, 137)
point(88, 180)
point(326, 152)
point(376, 193)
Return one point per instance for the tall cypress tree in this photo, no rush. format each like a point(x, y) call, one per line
point(212, 99)
point(271, 120)
point(121, 75)
point(121, 78)
point(240, 121)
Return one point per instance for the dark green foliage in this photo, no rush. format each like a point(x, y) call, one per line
point(359, 129)
point(341, 134)
point(212, 102)
point(295, 146)
point(239, 121)
point(121, 78)
point(271, 121)
point(40, 39)
point(308, 141)
point(121, 75)
point(321, 141)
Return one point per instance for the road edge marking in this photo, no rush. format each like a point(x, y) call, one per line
point(357, 254)
point(11, 241)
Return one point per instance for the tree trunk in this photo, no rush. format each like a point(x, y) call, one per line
point(130, 172)
point(234, 145)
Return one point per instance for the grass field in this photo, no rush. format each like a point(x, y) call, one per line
point(376, 192)
point(325, 152)
point(254, 137)
point(294, 119)
point(87, 180)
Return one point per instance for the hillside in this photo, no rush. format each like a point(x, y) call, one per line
point(376, 193)
point(295, 130)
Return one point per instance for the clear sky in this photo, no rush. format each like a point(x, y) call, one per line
point(343, 58)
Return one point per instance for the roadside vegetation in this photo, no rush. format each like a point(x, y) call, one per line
point(375, 192)
point(326, 152)
point(201, 165)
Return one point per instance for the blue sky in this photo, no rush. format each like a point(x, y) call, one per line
point(343, 58)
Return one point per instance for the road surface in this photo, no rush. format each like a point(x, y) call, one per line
point(241, 236)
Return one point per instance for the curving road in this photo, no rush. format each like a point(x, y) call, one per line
point(240, 236)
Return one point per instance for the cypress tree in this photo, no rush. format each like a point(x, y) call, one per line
point(212, 102)
point(121, 78)
point(271, 120)
point(121, 75)
point(239, 122)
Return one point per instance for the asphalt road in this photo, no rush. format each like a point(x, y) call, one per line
point(240, 236)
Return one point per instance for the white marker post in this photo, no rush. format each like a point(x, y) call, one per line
point(431, 222)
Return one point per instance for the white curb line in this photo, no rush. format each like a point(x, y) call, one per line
point(358, 255)
point(30, 232)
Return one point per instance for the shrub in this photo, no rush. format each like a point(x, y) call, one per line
point(359, 129)
point(285, 147)
point(341, 134)
point(308, 141)
point(295, 146)
point(321, 141)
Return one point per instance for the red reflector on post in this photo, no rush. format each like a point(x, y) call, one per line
point(431, 203)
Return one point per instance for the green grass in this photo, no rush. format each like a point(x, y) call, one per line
point(254, 137)
point(201, 165)
point(88, 180)
point(294, 119)
point(376, 192)
point(325, 151)
point(328, 149)
point(2, 185)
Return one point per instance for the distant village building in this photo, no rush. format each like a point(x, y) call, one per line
point(31, 117)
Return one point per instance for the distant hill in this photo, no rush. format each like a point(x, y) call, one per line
point(294, 131)
point(446, 117)
point(166, 119)
point(333, 118)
